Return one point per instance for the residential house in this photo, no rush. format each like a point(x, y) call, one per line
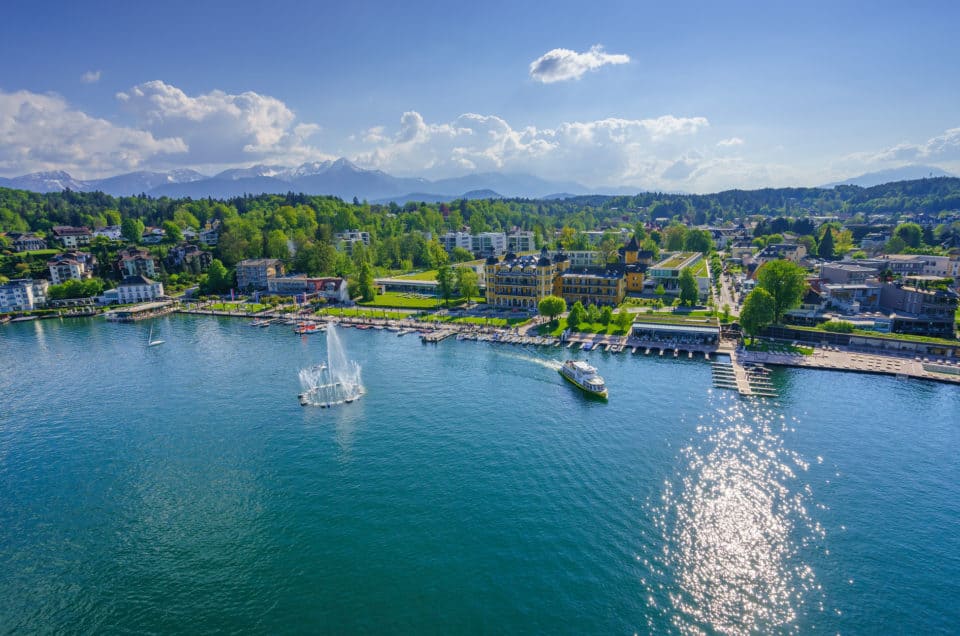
point(915, 309)
point(71, 266)
point(210, 236)
point(135, 261)
point(112, 232)
point(187, 257)
point(794, 252)
point(23, 294)
point(138, 289)
point(72, 237)
point(27, 242)
point(521, 241)
point(349, 238)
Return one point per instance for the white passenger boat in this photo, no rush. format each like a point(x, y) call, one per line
point(585, 377)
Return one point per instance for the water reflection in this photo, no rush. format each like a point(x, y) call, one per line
point(733, 521)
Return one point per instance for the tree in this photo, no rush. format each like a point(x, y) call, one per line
point(468, 283)
point(593, 313)
point(785, 282)
point(825, 249)
point(895, 245)
point(623, 319)
point(725, 316)
point(758, 311)
point(608, 249)
point(218, 279)
point(131, 229)
point(367, 289)
point(698, 241)
point(460, 255)
point(606, 316)
point(436, 255)
point(551, 307)
point(577, 315)
point(689, 291)
point(277, 245)
point(445, 282)
point(911, 233)
point(171, 232)
point(673, 237)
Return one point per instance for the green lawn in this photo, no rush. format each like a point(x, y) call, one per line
point(886, 336)
point(363, 313)
point(549, 329)
point(427, 275)
point(401, 300)
point(474, 320)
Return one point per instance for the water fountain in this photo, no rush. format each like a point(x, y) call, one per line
point(336, 382)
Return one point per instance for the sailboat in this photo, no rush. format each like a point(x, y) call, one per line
point(150, 341)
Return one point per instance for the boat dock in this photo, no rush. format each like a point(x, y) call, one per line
point(748, 381)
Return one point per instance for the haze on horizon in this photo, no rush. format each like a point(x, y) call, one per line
point(698, 97)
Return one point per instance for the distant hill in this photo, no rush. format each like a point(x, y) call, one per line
point(340, 178)
point(904, 173)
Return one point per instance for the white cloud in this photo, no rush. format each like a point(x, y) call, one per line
point(563, 64)
point(90, 77)
point(727, 143)
point(220, 128)
point(606, 151)
point(943, 147)
point(42, 132)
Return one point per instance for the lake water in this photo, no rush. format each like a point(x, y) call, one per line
point(182, 488)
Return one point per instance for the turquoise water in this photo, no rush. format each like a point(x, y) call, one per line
point(182, 488)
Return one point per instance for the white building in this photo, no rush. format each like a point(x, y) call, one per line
point(452, 240)
point(70, 266)
point(333, 289)
point(521, 241)
point(578, 258)
point(112, 232)
point(23, 294)
point(138, 289)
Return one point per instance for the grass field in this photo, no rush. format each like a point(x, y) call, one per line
point(549, 329)
point(400, 300)
point(363, 313)
point(427, 275)
point(239, 307)
point(473, 320)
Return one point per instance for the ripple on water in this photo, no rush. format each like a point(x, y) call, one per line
point(734, 521)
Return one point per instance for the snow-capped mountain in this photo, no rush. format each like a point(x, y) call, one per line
point(137, 182)
point(53, 181)
point(341, 178)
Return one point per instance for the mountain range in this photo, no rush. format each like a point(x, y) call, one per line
point(346, 180)
point(339, 178)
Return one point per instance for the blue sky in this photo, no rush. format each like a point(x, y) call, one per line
point(690, 96)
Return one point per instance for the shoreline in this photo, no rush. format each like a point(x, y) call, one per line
point(822, 359)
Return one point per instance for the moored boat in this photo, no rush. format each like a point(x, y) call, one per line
point(585, 377)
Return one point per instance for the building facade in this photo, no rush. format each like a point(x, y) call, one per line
point(27, 242)
point(333, 289)
point(521, 282)
point(138, 289)
point(70, 266)
point(135, 261)
point(253, 273)
point(23, 294)
point(72, 237)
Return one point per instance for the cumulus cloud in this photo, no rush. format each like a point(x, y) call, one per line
point(604, 151)
point(42, 132)
point(727, 143)
point(563, 64)
point(943, 147)
point(221, 128)
point(90, 77)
